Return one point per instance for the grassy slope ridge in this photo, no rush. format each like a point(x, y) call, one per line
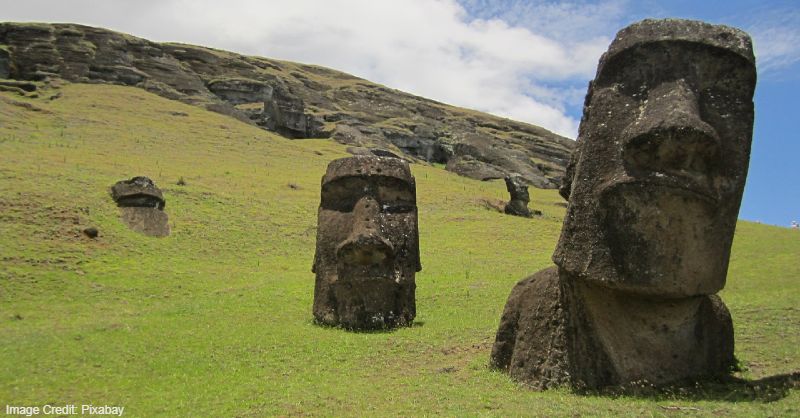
point(216, 319)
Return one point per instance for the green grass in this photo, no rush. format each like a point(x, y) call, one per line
point(215, 320)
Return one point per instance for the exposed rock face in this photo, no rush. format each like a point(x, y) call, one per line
point(654, 194)
point(367, 244)
point(518, 205)
point(295, 100)
point(372, 151)
point(142, 205)
point(286, 114)
point(5, 71)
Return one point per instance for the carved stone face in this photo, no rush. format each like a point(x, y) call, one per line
point(367, 244)
point(662, 158)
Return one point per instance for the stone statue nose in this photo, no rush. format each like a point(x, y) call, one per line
point(669, 134)
point(365, 245)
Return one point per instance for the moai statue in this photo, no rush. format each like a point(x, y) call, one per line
point(654, 194)
point(518, 205)
point(142, 205)
point(367, 244)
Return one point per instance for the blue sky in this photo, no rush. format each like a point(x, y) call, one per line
point(772, 194)
point(527, 60)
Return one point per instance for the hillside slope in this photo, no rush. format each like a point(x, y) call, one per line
point(294, 100)
point(215, 320)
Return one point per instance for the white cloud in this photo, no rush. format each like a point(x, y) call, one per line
point(776, 38)
point(431, 48)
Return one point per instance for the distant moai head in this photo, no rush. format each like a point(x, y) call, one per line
point(663, 150)
point(367, 244)
point(518, 205)
point(142, 206)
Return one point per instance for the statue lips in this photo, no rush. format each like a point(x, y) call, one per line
point(676, 183)
point(368, 256)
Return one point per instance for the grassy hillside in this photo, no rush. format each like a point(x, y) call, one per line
point(215, 320)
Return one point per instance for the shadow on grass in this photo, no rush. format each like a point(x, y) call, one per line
point(727, 389)
point(415, 324)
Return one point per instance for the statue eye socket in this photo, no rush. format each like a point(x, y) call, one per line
point(343, 194)
point(397, 207)
point(339, 203)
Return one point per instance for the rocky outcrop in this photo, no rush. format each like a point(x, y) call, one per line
point(5, 71)
point(286, 114)
point(294, 100)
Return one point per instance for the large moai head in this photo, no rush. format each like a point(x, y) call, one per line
point(367, 244)
point(661, 162)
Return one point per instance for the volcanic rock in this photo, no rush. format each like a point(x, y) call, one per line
point(367, 251)
point(654, 192)
point(518, 205)
point(142, 205)
point(294, 100)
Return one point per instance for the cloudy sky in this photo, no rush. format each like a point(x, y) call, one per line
point(528, 60)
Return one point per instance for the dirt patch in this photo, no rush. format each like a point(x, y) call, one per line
point(495, 205)
point(44, 221)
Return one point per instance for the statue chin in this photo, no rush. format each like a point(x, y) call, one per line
point(664, 241)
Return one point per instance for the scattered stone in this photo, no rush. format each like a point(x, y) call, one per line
point(654, 193)
point(91, 232)
point(367, 245)
point(142, 205)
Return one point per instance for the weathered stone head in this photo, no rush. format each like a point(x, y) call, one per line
point(367, 244)
point(142, 205)
point(654, 189)
point(662, 158)
point(518, 205)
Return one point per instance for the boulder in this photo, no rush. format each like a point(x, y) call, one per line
point(91, 232)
